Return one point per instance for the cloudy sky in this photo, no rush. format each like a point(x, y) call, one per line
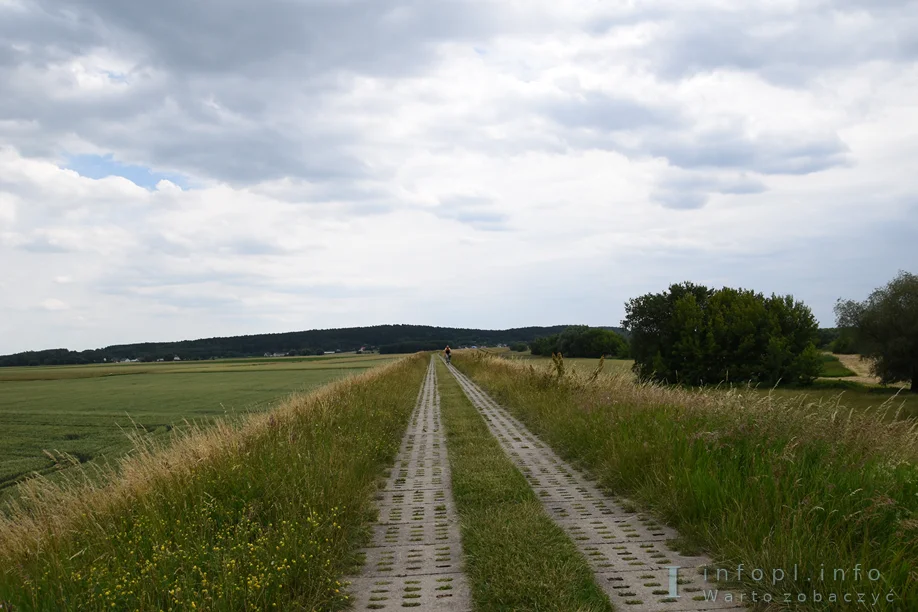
point(178, 169)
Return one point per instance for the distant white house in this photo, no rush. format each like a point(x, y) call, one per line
point(176, 358)
point(329, 352)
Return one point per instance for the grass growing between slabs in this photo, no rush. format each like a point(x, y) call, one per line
point(266, 513)
point(516, 557)
point(759, 480)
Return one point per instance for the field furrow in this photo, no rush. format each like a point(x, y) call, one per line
point(626, 550)
point(415, 559)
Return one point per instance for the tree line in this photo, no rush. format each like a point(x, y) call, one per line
point(384, 338)
point(582, 341)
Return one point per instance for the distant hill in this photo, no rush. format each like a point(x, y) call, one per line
point(384, 338)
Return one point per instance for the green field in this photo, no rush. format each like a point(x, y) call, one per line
point(87, 411)
point(266, 513)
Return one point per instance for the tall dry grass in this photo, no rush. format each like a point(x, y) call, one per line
point(764, 481)
point(262, 513)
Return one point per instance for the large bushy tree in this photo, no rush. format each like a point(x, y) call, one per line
point(885, 328)
point(691, 334)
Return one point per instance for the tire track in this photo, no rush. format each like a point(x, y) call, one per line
point(627, 550)
point(415, 559)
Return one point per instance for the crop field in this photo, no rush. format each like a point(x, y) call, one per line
point(263, 512)
point(87, 411)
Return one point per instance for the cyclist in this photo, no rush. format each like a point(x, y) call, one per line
point(447, 352)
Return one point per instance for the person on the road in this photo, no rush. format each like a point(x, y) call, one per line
point(447, 352)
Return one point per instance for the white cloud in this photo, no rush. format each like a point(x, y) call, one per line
point(509, 164)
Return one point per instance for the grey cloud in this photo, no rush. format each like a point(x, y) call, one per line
point(360, 35)
point(636, 130)
point(691, 190)
point(770, 154)
point(789, 48)
point(680, 200)
point(43, 35)
point(595, 110)
point(255, 246)
point(474, 211)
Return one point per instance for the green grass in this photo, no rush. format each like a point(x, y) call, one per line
point(516, 557)
point(758, 479)
point(84, 410)
point(264, 513)
point(833, 368)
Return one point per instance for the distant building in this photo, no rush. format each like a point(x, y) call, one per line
point(329, 353)
point(176, 358)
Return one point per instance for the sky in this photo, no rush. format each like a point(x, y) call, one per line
point(174, 170)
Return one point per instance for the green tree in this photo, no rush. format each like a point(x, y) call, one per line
point(581, 341)
point(654, 335)
point(885, 328)
point(545, 345)
point(693, 335)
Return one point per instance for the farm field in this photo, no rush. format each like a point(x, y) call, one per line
point(266, 512)
point(86, 411)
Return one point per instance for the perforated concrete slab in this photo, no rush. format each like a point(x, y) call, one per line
point(627, 550)
point(436, 592)
point(415, 559)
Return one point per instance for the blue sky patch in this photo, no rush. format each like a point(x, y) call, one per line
point(101, 166)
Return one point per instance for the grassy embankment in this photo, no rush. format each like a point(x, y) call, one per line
point(833, 388)
point(259, 513)
point(83, 411)
point(516, 557)
point(763, 481)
